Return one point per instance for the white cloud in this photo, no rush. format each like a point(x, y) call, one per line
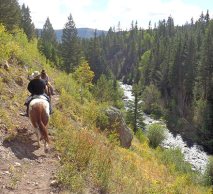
point(124, 11)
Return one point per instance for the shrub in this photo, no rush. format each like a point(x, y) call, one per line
point(84, 76)
point(155, 134)
point(85, 158)
point(90, 114)
point(141, 136)
point(65, 83)
point(102, 119)
point(114, 138)
point(175, 158)
point(5, 39)
point(108, 91)
point(5, 118)
point(209, 172)
point(151, 99)
point(101, 165)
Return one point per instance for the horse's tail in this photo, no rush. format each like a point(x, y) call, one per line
point(37, 110)
point(43, 129)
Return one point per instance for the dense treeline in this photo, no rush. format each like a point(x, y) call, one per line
point(176, 61)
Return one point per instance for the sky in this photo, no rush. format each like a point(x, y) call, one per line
point(103, 14)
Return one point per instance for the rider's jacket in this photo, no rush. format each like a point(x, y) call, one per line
point(45, 78)
point(36, 87)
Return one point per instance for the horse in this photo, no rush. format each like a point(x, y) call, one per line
point(39, 117)
point(48, 91)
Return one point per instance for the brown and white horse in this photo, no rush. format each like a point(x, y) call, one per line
point(39, 117)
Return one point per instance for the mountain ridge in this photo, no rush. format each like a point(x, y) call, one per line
point(82, 33)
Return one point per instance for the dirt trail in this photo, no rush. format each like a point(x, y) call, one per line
point(25, 168)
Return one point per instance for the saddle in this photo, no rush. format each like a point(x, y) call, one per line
point(30, 98)
point(44, 97)
point(40, 97)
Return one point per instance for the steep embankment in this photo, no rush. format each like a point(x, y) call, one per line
point(24, 168)
point(90, 163)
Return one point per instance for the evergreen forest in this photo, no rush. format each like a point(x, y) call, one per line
point(176, 61)
point(169, 67)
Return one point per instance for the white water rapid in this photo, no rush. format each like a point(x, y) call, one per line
point(194, 155)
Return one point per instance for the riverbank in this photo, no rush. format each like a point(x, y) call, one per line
point(193, 154)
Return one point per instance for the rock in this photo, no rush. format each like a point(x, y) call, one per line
point(26, 160)
point(39, 160)
point(6, 65)
point(116, 123)
point(17, 164)
point(19, 81)
point(6, 172)
point(54, 183)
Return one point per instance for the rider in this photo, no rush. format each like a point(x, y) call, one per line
point(45, 77)
point(36, 87)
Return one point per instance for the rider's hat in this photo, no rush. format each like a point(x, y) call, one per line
point(35, 74)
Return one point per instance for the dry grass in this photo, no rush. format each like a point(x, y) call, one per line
point(91, 161)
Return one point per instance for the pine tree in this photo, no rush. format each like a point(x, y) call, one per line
point(207, 18)
point(70, 50)
point(10, 14)
point(48, 33)
point(26, 22)
point(206, 77)
point(95, 57)
point(48, 42)
point(83, 75)
point(206, 68)
point(170, 26)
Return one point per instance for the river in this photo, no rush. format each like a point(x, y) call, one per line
point(194, 154)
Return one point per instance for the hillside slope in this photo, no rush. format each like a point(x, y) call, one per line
point(24, 167)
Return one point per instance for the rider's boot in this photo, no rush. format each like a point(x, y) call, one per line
point(51, 110)
point(25, 114)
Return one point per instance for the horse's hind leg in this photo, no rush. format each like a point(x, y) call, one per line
point(45, 119)
point(38, 136)
point(35, 126)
